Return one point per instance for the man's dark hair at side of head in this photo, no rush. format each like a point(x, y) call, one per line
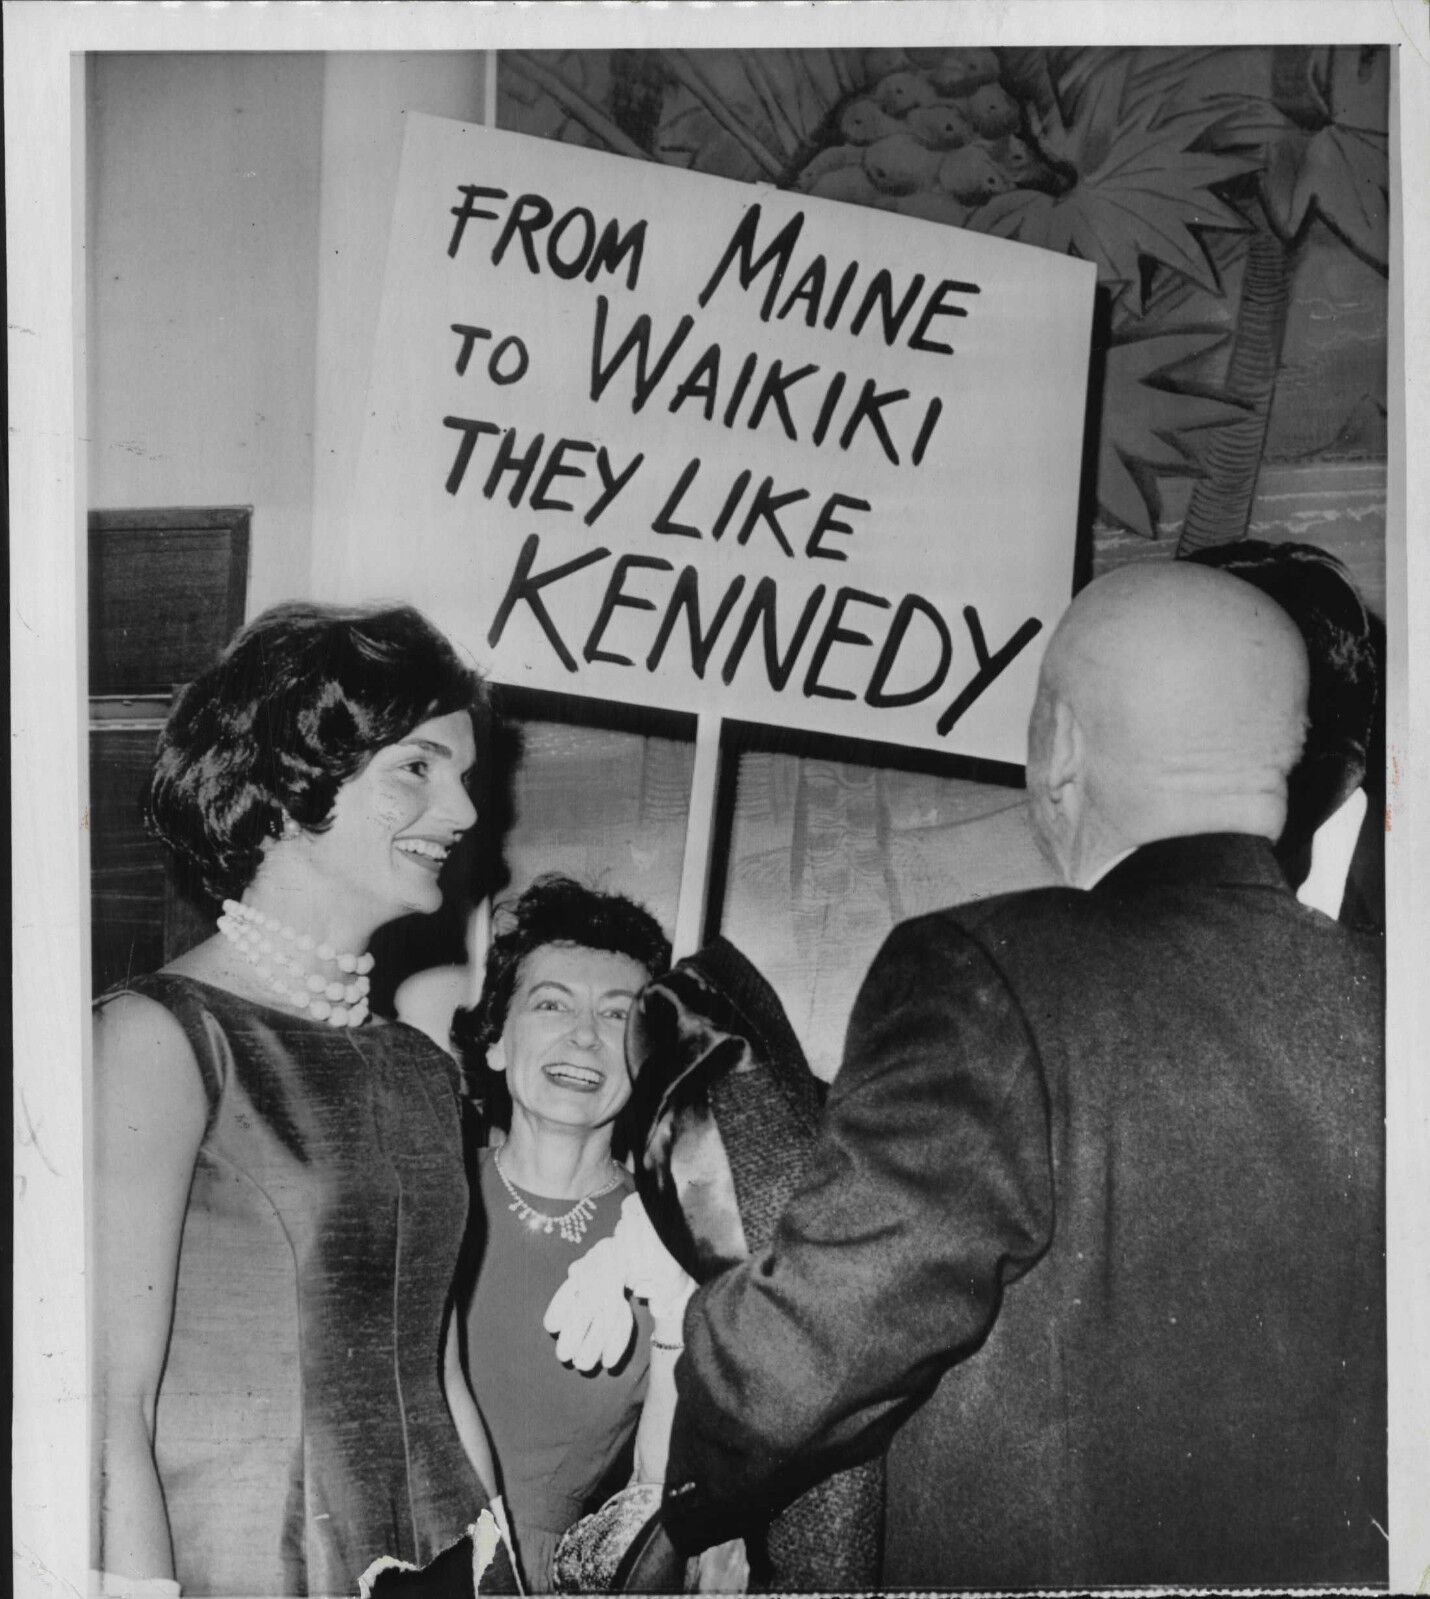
point(1344, 649)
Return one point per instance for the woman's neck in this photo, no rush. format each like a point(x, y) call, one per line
point(296, 902)
point(555, 1162)
point(289, 903)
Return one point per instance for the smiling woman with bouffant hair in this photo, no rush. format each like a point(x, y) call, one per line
point(280, 1194)
point(562, 972)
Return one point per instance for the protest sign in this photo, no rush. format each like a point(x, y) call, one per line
point(657, 437)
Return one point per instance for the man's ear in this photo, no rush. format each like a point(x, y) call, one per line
point(1065, 753)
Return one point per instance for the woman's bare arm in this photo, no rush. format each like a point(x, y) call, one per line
point(150, 1111)
point(658, 1411)
point(725, 1567)
point(465, 1416)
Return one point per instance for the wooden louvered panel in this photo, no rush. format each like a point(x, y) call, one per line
point(126, 866)
point(166, 593)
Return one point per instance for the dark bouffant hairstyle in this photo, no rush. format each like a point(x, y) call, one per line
point(292, 709)
point(1342, 645)
point(554, 910)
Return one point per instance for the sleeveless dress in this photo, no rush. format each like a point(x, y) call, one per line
point(561, 1437)
point(301, 1428)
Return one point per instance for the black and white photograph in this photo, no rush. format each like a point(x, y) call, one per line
point(717, 872)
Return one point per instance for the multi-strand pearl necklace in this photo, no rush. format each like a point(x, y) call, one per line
point(272, 948)
point(572, 1225)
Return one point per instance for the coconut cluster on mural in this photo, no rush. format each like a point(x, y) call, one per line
point(936, 134)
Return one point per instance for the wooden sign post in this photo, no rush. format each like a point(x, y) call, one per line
point(698, 858)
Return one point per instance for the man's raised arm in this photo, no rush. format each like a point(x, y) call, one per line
point(929, 1187)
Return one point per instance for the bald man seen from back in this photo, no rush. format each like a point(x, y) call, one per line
point(1092, 1241)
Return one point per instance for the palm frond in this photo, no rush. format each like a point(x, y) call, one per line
point(684, 70)
point(761, 74)
point(1144, 190)
point(574, 103)
point(1150, 425)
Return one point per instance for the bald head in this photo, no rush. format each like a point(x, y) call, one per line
point(1172, 700)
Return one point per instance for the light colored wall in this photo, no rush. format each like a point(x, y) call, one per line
point(203, 292)
point(237, 216)
point(365, 104)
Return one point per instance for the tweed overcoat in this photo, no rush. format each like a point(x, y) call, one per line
point(1092, 1240)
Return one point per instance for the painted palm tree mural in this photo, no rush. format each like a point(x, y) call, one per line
point(1198, 180)
point(1235, 203)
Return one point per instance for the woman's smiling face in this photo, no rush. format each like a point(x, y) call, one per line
point(394, 823)
point(563, 1046)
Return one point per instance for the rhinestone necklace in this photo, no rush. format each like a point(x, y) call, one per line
point(572, 1225)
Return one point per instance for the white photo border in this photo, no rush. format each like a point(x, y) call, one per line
point(45, 149)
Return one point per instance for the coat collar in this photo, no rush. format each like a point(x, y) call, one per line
point(1227, 859)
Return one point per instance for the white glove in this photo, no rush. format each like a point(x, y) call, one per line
point(589, 1312)
point(650, 1271)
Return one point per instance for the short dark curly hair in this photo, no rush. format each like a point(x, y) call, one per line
point(553, 910)
point(1342, 646)
point(293, 708)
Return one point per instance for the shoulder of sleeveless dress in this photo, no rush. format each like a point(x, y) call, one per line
point(420, 1047)
point(164, 988)
point(184, 1000)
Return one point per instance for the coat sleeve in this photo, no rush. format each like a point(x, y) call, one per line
point(930, 1186)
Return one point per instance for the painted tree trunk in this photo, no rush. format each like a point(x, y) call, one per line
point(1220, 507)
